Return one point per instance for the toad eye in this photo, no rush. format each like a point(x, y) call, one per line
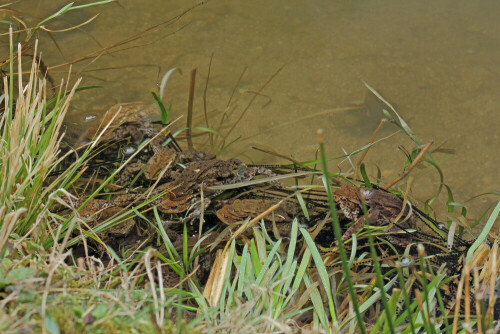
point(367, 192)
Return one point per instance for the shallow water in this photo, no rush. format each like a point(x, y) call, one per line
point(437, 62)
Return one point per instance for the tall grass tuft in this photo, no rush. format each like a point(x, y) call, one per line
point(30, 137)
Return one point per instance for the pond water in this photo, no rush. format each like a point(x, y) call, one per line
point(436, 62)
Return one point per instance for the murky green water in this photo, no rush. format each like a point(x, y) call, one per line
point(437, 62)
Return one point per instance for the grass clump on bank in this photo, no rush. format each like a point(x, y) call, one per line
point(44, 288)
point(29, 150)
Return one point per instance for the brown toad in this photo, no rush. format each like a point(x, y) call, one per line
point(186, 187)
point(97, 211)
point(239, 209)
point(383, 208)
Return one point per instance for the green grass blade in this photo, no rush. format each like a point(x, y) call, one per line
point(266, 265)
point(315, 296)
point(365, 176)
point(484, 233)
point(254, 256)
point(243, 264)
point(303, 205)
point(406, 300)
point(97, 3)
point(291, 246)
point(203, 129)
point(164, 114)
point(320, 267)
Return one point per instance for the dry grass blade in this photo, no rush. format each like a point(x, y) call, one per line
point(159, 312)
point(9, 221)
point(467, 293)
point(493, 269)
point(217, 278)
point(73, 27)
point(478, 305)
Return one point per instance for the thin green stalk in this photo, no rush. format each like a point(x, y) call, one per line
point(11, 83)
point(185, 249)
point(378, 272)
point(365, 176)
point(426, 311)
point(441, 304)
point(405, 297)
point(338, 233)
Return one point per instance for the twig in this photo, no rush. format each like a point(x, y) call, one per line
point(412, 165)
point(276, 154)
point(457, 305)
point(205, 92)
point(190, 110)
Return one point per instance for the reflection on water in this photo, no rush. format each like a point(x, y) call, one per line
point(437, 62)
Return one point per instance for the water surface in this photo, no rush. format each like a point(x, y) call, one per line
point(437, 62)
